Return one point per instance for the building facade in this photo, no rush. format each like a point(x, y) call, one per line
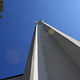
point(53, 55)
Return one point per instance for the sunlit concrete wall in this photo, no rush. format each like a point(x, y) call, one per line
point(55, 55)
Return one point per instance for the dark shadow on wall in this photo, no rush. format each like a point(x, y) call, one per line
point(1, 8)
point(16, 77)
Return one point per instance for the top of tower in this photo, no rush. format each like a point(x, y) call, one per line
point(38, 22)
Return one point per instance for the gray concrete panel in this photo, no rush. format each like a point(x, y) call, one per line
point(58, 65)
point(55, 55)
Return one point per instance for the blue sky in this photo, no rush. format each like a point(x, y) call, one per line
point(17, 26)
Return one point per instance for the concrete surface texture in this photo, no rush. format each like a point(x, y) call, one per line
point(56, 56)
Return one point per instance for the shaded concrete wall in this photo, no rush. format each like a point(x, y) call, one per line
point(27, 71)
point(70, 45)
point(58, 64)
point(57, 57)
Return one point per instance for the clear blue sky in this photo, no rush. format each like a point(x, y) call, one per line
point(17, 26)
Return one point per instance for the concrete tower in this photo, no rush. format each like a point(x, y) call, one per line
point(53, 55)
